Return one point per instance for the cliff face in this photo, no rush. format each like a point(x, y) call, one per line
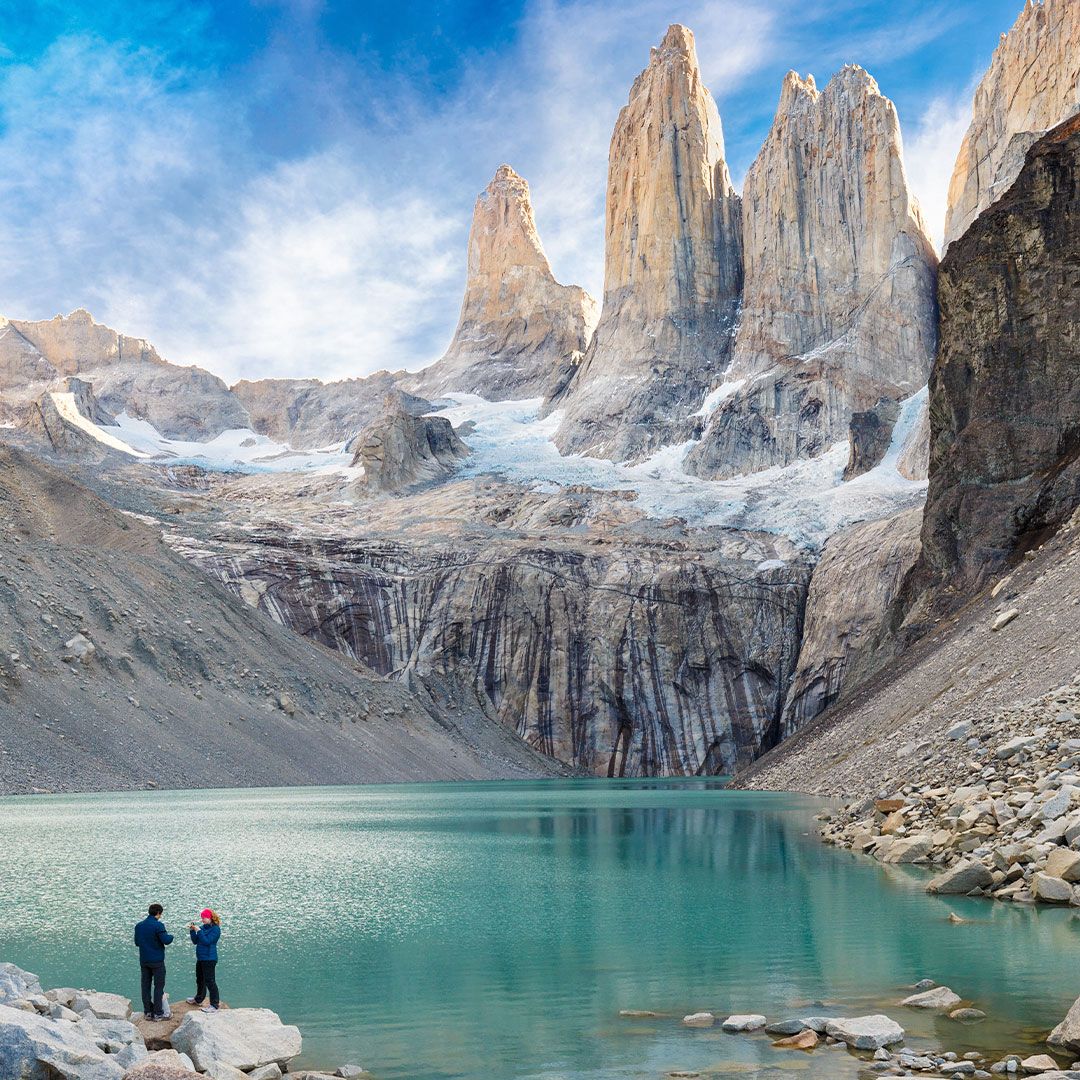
point(1005, 393)
point(1033, 84)
point(838, 306)
point(517, 324)
point(621, 651)
point(672, 271)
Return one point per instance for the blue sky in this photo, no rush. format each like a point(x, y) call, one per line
point(284, 187)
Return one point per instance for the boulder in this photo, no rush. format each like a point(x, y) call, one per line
point(1038, 1063)
point(148, 1070)
point(785, 1027)
point(1067, 1034)
point(805, 1040)
point(1064, 864)
point(103, 1006)
point(941, 997)
point(218, 1070)
point(967, 1015)
point(866, 1032)
point(33, 1047)
point(744, 1022)
point(271, 1072)
point(909, 849)
point(111, 1035)
point(961, 879)
point(16, 984)
point(1051, 890)
point(243, 1038)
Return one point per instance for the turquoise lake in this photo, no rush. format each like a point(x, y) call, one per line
point(495, 930)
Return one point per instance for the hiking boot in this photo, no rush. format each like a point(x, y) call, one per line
point(209, 1008)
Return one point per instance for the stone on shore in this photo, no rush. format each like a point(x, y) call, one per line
point(941, 997)
point(218, 1070)
point(243, 1038)
point(744, 1022)
point(1064, 864)
point(866, 1032)
point(148, 1070)
point(103, 1006)
point(1067, 1033)
point(1052, 890)
point(909, 849)
point(272, 1072)
point(35, 1048)
point(961, 879)
point(1038, 1063)
point(16, 984)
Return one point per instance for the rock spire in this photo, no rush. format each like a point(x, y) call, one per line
point(517, 322)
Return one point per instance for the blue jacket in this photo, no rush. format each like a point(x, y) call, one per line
point(152, 937)
point(206, 939)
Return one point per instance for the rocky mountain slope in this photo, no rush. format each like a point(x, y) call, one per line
point(672, 267)
point(518, 325)
point(1032, 84)
point(121, 665)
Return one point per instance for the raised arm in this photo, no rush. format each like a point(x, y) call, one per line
point(164, 936)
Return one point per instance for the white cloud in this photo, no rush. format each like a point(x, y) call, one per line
point(930, 153)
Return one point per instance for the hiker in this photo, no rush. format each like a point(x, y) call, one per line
point(205, 938)
point(152, 937)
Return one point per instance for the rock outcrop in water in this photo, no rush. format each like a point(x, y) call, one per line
point(517, 323)
point(838, 306)
point(1032, 85)
point(400, 450)
point(672, 269)
point(1005, 393)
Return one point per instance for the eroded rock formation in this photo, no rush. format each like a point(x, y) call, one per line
point(399, 450)
point(1005, 393)
point(517, 324)
point(672, 270)
point(838, 306)
point(846, 635)
point(1033, 84)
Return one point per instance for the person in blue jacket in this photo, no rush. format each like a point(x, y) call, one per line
point(151, 938)
point(205, 939)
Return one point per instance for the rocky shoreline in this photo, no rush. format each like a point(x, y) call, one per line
point(74, 1034)
point(992, 812)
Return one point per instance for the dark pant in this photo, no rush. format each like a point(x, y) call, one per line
point(153, 973)
point(206, 979)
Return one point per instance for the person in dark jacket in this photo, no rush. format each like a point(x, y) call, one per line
point(151, 938)
point(205, 939)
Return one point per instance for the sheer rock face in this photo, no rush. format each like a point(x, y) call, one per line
point(624, 658)
point(517, 322)
point(309, 414)
point(400, 450)
point(127, 375)
point(1032, 84)
point(64, 437)
point(838, 306)
point(846, 636)
point(1005, 393)
point(673, 267)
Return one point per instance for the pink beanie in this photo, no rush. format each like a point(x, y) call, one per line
point(206, 913)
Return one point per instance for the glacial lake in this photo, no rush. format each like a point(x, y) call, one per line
point(496, 930)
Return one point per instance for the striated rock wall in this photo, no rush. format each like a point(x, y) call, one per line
point(1005, 393)
point(517, 323)
point(672, 271)
point(838, 306)
point(1032, 84)
point(622, 659)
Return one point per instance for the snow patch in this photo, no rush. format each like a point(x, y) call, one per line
point(69, 412)
point(714, 397)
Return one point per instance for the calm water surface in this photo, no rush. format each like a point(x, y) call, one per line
point(495, 930)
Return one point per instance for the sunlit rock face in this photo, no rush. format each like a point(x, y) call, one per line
point(672, 272)
point(838, 306)
point(517, 323)
point(1033, 84)
point(127, 375)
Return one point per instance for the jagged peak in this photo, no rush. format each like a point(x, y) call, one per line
point(856, 77)
point(677, 50)
point(678, 39)
point(507, 174)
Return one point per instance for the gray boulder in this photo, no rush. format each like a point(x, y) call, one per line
point(33, 1047)
point(1067, 1033)
point(744, 1022)
point(866, 1032)
point(941, 997)
point(103, 1006)
point(111, 1035)
point(243, 1038)
point(16, 984)
point(961, 879)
